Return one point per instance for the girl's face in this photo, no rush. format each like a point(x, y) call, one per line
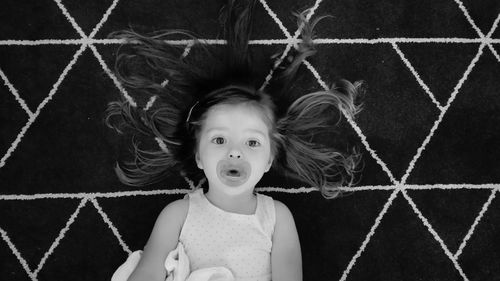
point(234, 148)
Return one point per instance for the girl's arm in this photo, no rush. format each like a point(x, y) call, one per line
point(164, 238)
point(286, 258)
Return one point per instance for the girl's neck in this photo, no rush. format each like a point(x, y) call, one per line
point(245, 203)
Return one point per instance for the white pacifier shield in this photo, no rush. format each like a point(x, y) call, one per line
point(233, 172)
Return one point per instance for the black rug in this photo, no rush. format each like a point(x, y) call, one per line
point(425, 207)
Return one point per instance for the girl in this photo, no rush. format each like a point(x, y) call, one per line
point(218, 124)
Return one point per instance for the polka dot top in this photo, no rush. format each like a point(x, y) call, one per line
point(241, 243)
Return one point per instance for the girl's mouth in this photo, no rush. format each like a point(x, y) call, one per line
point(233, 173)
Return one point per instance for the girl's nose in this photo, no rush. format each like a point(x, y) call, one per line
point(234, 153)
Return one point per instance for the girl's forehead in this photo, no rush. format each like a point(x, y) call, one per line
point(237, 116)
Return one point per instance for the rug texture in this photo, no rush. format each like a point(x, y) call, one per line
point(426, 204)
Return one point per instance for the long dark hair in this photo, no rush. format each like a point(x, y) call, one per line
point(173, 93)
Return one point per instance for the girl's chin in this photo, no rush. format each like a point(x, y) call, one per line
point(232, 188)
point(232, 181)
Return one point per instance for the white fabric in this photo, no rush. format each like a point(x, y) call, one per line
point(124, 271)
point(177, 266)
point(213, 237)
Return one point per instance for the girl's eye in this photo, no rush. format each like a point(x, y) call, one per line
point(253, 143)
point(218, 140)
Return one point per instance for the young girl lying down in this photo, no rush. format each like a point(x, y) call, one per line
point(218, 123)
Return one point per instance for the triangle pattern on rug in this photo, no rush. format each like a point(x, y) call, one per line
point(332, 239)
point(11, 268)
point(393, 19)
point(450, 212)
point(431, 60)
point(27, 224)
point(285, 13)
point(483, 13)
point(481, 254)
point(21, 64)
point(36, 20)
point(88, 242)
point(340, 136)
point(87, 14)
point(77, 162)
point(12, 120)
point(134, 216)
point(393, 95)
point(272, 15)
point(400, 240)
point(452, 155)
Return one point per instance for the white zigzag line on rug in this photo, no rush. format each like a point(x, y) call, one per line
point(299, 190)
point(368, 237)
point(269, 42)
point(61, 235)
point(104, 19)
point(115, 231)
point(112, 76)
point(14, 92)
point(70, 19)
point(417, 76)
point(476, 222)
point(434, 234)
point(16, 253)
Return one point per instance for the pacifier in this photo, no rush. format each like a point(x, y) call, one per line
point(233, 172)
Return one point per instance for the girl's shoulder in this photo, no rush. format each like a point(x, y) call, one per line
point(176, 211)
point(279, 205)
point(283, 213)
point(280, 209)
point(178, 205)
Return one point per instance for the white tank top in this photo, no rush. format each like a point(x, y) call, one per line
point(241, 243)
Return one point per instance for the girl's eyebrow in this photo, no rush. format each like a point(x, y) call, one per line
point(226, 129)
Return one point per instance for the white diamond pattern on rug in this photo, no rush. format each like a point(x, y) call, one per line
point(432, 104)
